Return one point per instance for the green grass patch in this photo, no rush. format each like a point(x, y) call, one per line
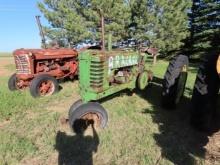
point(16, 102)
point(5, 54)
point(139, 131)
point(14, 148)
point(10, 67)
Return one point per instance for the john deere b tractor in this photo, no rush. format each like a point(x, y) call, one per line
point(103, 73)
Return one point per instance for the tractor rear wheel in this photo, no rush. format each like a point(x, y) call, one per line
point(205, 94)
point(174, 81)
point(43, 85)
point(81, 116)
point(12, 83)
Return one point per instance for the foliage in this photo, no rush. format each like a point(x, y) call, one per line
point(161, 23)
point(79, 20)
point(66, 23)
point(205, 27)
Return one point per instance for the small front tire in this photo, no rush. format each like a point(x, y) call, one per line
point(12, 83)
point(87, 113)
point(74, 106)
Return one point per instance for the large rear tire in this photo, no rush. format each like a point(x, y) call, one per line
point(205, 94)
point(43, 85)
point(174, 81)
point(82, 115)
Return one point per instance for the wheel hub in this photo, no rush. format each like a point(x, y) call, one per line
point(21, 84)
point(46, 88)
point(92, 118)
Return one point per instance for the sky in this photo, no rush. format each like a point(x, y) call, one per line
point(18, 28)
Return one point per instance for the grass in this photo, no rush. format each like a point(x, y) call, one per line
point(5, 54)
point(10, 67)
point(139, 131)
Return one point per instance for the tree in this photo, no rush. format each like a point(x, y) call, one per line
point(66, 24)
point(80, 19)
point(205, 27)
point(163, 23)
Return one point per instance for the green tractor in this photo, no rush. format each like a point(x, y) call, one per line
point(103, 73)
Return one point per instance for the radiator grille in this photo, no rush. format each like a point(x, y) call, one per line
point(96, 74)
point(22, 64)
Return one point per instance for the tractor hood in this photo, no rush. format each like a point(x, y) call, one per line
point(47, 53)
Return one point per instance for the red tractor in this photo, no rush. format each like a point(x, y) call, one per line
point(40, 69)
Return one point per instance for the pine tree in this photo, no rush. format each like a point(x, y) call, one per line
point(205, 27)
point(66, 24)
point(163, 23)
point(80, 19)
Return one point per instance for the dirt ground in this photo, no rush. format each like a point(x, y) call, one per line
point(4, 62)
point(213, 149)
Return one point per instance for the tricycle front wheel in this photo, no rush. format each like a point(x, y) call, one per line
point(81, 116)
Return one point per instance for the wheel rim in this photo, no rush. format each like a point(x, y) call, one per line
point(95, 117)
point(19, 84)
point(46, 88)
point(181, 86)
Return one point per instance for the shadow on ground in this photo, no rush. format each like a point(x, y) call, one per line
point(179, 143)
point(78, 149)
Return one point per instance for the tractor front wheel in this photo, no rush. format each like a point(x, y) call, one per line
point(74, 106)
point(43, 85)
point(82, 115)
point(12, 83)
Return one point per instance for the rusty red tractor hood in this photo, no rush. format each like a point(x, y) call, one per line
point(58, 63)
point(40, 54)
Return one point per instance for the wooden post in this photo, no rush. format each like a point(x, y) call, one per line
point(155, 59)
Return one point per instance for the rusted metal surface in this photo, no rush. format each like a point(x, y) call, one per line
point(150, 50)
point(41, 54)
point(95, 117)
point(59, 63)
point(46, 88)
